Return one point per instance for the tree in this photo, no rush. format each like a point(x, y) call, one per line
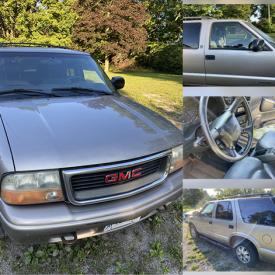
point(236, 11)
point(165, 23)
point(111, 30)
point(219, 11)
point(191, 197)
point(40, 21)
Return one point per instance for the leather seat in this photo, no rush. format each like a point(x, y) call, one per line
point(248, 168)
point(267, 141)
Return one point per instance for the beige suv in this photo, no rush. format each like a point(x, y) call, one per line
point(246, 224)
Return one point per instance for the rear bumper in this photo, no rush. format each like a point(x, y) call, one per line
point(51, 222)
point(267, 255)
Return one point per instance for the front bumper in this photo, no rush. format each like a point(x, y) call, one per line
point(53, 222)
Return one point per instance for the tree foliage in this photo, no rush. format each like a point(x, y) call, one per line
point(191, 197)
point(165, 23)
point(111, 29)
point(40, 21)
point(219, 11)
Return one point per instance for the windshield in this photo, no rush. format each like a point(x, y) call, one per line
point(262, 34)
point(49, 71)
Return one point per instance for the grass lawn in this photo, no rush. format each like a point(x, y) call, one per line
point(160, 92)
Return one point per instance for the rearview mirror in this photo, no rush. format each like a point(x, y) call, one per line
point(118, 82)
point(257, 45)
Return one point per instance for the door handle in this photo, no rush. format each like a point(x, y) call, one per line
point(231, 226)
point(210, 222)
point(210, 57)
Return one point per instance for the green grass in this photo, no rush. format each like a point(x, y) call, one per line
point(160, 92)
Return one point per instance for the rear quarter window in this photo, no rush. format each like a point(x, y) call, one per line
point(191, 35)
point(258, 211)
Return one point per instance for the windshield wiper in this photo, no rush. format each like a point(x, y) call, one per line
point(80, 90)
point(27, 92)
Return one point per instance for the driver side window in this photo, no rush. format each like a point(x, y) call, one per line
point(230, 36)
point(207, 211)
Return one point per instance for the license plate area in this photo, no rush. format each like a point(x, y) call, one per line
point(108, 228)
point(116, 226)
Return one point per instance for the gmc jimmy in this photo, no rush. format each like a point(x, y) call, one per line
point(77, 158)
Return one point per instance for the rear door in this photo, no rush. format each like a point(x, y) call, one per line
point(258, 221)
point(224, 222)
point(228, 59)
point(193, 54)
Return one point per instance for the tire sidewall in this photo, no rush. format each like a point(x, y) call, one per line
point(252, 253)
point(193, 231)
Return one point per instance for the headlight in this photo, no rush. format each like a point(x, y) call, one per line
point(177, 158)
point(32, 188)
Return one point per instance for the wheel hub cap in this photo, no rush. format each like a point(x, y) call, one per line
point(243, 254)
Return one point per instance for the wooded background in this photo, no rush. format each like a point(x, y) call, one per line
point(128, 34)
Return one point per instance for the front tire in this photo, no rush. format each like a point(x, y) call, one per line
point(246, 254)
point(193, 232)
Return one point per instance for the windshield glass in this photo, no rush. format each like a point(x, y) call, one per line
point(48, 71)
point(262, 34)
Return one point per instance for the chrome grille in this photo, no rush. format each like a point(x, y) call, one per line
point(88, 185)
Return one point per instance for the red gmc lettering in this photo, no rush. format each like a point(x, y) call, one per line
point(136, 173)
point(123, 176)
point(111, 178)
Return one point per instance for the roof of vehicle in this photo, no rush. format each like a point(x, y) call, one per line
point(31, 49)
point(250, 196)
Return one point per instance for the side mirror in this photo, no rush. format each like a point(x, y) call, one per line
point(118, 82)
point(257, 45)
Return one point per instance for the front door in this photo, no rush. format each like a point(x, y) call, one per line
point(205, 219)
point(229, 61)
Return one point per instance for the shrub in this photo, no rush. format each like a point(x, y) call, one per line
point(162, 57)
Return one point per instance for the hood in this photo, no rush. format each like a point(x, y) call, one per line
point(52, 133)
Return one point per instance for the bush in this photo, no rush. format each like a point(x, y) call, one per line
point(162, 58)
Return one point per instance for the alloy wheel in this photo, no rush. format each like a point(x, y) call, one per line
point(243, 254)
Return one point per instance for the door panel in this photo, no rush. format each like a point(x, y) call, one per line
point(193, 54)
point(224, 222)
point(204, 220)
point(233, 63)
point(263, 111)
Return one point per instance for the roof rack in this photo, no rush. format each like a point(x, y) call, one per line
point(269, 194)
point(26, 44)
point(196, 18)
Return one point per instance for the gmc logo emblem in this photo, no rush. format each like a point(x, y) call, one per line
point(122, 176)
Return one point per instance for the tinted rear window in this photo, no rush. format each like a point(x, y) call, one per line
point(191, 35)
point(258, 211)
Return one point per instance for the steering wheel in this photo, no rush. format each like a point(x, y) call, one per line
point(225, 131)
